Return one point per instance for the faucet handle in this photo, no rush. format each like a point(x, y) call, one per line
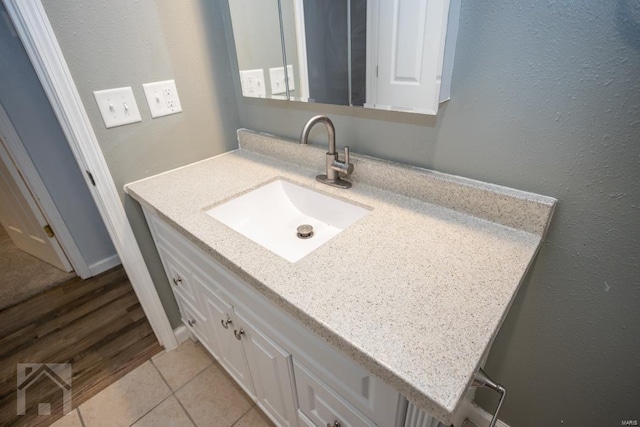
point(349, 166)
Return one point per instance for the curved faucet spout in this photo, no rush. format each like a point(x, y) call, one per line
point(334, 165)
point(331, 131)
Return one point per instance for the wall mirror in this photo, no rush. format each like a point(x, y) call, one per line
point(383, 54)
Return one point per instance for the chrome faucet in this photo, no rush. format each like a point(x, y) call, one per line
point(334, 166)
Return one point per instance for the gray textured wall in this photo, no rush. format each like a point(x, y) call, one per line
point(124, 43)
point(33, 118)
point(546, 98)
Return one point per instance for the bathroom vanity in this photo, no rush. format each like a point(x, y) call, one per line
point(386, 323)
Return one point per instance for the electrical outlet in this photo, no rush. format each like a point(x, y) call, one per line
point(276, 76)
point(117, 106)
point(252, 82)
point(162, 98)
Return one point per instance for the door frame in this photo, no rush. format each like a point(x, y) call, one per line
point(373, 6)
point(35, 31)
point(18, 154)
point(301, 45)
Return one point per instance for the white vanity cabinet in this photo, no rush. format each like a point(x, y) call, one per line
point(292, 374)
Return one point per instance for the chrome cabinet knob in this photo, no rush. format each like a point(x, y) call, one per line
point(191, 322)
point(335, 424)
point(238, 333)
point(177, 280)
point(226, 323)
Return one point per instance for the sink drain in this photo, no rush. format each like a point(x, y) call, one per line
point(305, 231)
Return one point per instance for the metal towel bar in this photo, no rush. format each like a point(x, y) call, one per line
point(482, 380)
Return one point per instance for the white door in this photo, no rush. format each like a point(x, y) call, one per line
point(408, 40)
point(23, 219)
point(272, 372)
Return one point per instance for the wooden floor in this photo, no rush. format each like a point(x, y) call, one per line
point(97, 325)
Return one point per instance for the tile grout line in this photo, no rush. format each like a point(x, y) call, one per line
point(185, 384)
point(181, 387)
point(223, 370)
point(212, 363)
point(80, 416)
point(242, 416)
point(159, 403)
point(173, 393)
point(185, 410)
point(150, 410)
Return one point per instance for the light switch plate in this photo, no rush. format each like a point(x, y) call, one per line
point(162, 98)
point(276, 76)
point(117, 106)
point(253, 85)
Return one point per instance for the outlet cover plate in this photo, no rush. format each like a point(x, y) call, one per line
point(117, 106)
point(276, 76)
point(162, 98)
point(253, 84)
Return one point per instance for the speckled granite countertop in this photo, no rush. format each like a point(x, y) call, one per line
point(415, 291)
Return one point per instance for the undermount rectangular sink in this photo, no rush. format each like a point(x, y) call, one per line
point(271, 214)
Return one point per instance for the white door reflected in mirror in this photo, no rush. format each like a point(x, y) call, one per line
point(382, 54)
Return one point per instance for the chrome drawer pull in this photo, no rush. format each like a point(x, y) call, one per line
point(191, 322)
point(226, 323)
point(238, 333)
point(335, 424)
point(177, 281)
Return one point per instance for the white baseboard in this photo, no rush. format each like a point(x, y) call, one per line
point(182, 334)
point(482, 418)
point(104, 264)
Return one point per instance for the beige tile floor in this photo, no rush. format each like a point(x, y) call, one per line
point(182, 387)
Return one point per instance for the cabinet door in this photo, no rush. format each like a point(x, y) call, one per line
point(218, 321)
point(272, 372)
point(226, 347)
point(192, 319)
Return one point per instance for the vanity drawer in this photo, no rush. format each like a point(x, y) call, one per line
point(321, 405)
point(174, 242)
point(176, 246)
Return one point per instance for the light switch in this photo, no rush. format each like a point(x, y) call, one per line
point(117, 106)
point(277, 80)
point(162, 98)
point(252, 82)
